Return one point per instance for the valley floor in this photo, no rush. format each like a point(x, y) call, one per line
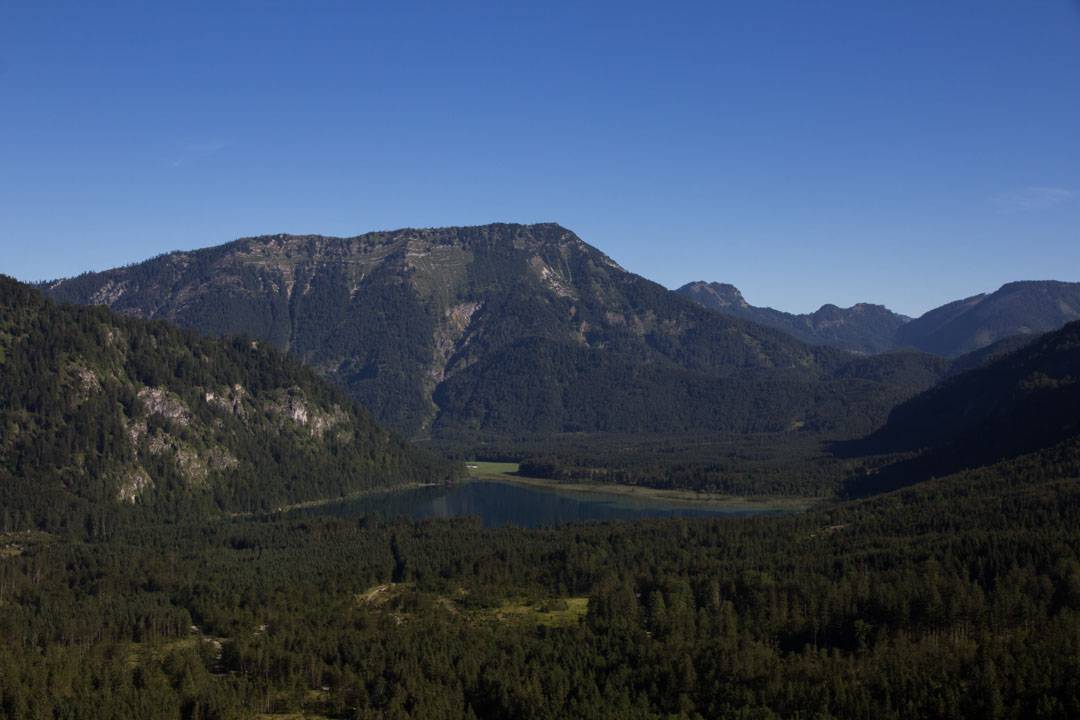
point(959, 598)
point(510, 473)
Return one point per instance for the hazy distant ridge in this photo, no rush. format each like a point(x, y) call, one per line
point(956, 328)
point(861, 328)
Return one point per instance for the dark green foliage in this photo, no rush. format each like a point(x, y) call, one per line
point(760, 464)
point(793, 464)
point(1009, 403)
point(990, 353)
point(958, 598)
point(544, 387)
point(503, 329)
point(1022, 401)
point(378, 349)
point(91, 402)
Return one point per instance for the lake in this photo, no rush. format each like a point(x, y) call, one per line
point(499, 504)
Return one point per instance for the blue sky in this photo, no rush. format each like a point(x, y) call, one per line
point(902, 153)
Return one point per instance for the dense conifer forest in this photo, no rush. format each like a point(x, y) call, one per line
point(959, 597)
point(194, 594)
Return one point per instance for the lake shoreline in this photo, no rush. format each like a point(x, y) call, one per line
point(320, 502)
point(506, 473)
point(686, 498)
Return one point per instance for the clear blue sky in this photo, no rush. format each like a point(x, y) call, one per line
point(907, 153)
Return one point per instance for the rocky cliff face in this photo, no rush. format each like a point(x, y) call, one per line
point(715, 296)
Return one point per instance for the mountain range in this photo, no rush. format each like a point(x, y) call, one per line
point(862, 328)
point(963, 326)
point(1017, 308)
point(507, 329)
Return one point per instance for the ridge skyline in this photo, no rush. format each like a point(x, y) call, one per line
point(706, 277)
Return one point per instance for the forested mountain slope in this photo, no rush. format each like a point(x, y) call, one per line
point(1018, 308)
point(1023, 400)
point(990, 353)
point(99, 411)
point(504, 329)
point(1014, 403)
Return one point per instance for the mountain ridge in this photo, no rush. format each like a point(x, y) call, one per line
point(1023, 307)
point(863, 327)
point(1019, 398)
point(417, 323)
point(1016, 402)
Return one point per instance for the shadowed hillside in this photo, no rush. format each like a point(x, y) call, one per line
point(103, 412)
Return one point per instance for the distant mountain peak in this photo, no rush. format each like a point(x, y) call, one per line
point(714, 295)
point(1023, 307)
point(863, 328)
point(1017, 285)
point(870, 307)
point(1017, 308)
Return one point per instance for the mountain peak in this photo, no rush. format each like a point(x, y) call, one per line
point(1023, 307)
point(831, 310)
point(1037, 285)
point(509, 236)
point(714, 295)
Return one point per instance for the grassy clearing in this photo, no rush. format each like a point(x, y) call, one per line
point(401, 600)
point(14, 544)
point(508, 472)
point(314, 700)
point(141, 654)
point(555, 612)
point(380, 595)
point(494, 470)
